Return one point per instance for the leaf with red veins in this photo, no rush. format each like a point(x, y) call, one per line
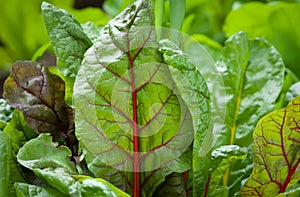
point(131, 113)
point(276, 152)
point(39, 94)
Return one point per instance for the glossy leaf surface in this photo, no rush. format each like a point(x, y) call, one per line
point(276, 152)
point(39, 94)
point(253, 73)
point(69, 42)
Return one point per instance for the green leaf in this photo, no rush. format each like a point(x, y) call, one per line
point(277, 22)
point(275, 146)
point(91, 30)
point(42, 153)
point(69, 42)
point(173, 186)
point(26, 190)
point(78, 185)
point(39, 94)
point(4, 163)
point(253, 73)
point(194, 92)
point(211, 168)
point(128, 105)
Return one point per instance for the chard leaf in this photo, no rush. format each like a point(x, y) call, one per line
point(47, 156)
point(26, 190)
point(253, 74)
point(4, 163)
point(194, 93)
point(276, 152)
point(39, 94)
point(212, 168)
point(128, 105)
point(78, 185)
point(69, 43)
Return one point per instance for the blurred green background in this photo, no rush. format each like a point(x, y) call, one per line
point(23, 35)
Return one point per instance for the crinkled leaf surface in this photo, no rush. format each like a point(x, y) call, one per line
point(276, 152)
point(276, 22)
point(39, 94)
point(253, 73)
point(127, 104)
point(194, 92)
point(69, 42)
point(26, 190)
point(174, 185)
point(213, 166)
point(6, 113)
point(42, 153)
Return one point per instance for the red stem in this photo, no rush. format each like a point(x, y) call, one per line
point(289, 176)
point(207, 187)
point(136, 162)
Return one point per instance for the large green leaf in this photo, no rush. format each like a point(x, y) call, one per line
point(39, 94)
point(128, 105)
point(276, 152)
point(42, 153)
point(69, 42)
point(277, 22)
point(253, 74)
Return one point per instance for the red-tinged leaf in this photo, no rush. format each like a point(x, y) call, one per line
point(132, 113)
point(276, 152)
point(39, 94)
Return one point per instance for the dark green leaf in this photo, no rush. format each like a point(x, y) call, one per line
point(39, 94)
point(69, 42)
point(212, 168)
point(4, 163)
point(26, 190)
point(276, 152)
point(173, 186)
point(47, 156)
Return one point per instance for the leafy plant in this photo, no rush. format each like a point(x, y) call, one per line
point(130, 114)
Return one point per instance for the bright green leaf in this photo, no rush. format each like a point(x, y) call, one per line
point(276, 152)
point(47, 156)
point(253, 73)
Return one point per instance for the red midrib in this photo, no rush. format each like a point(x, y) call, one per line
point(136, 163)
point(289, 177)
